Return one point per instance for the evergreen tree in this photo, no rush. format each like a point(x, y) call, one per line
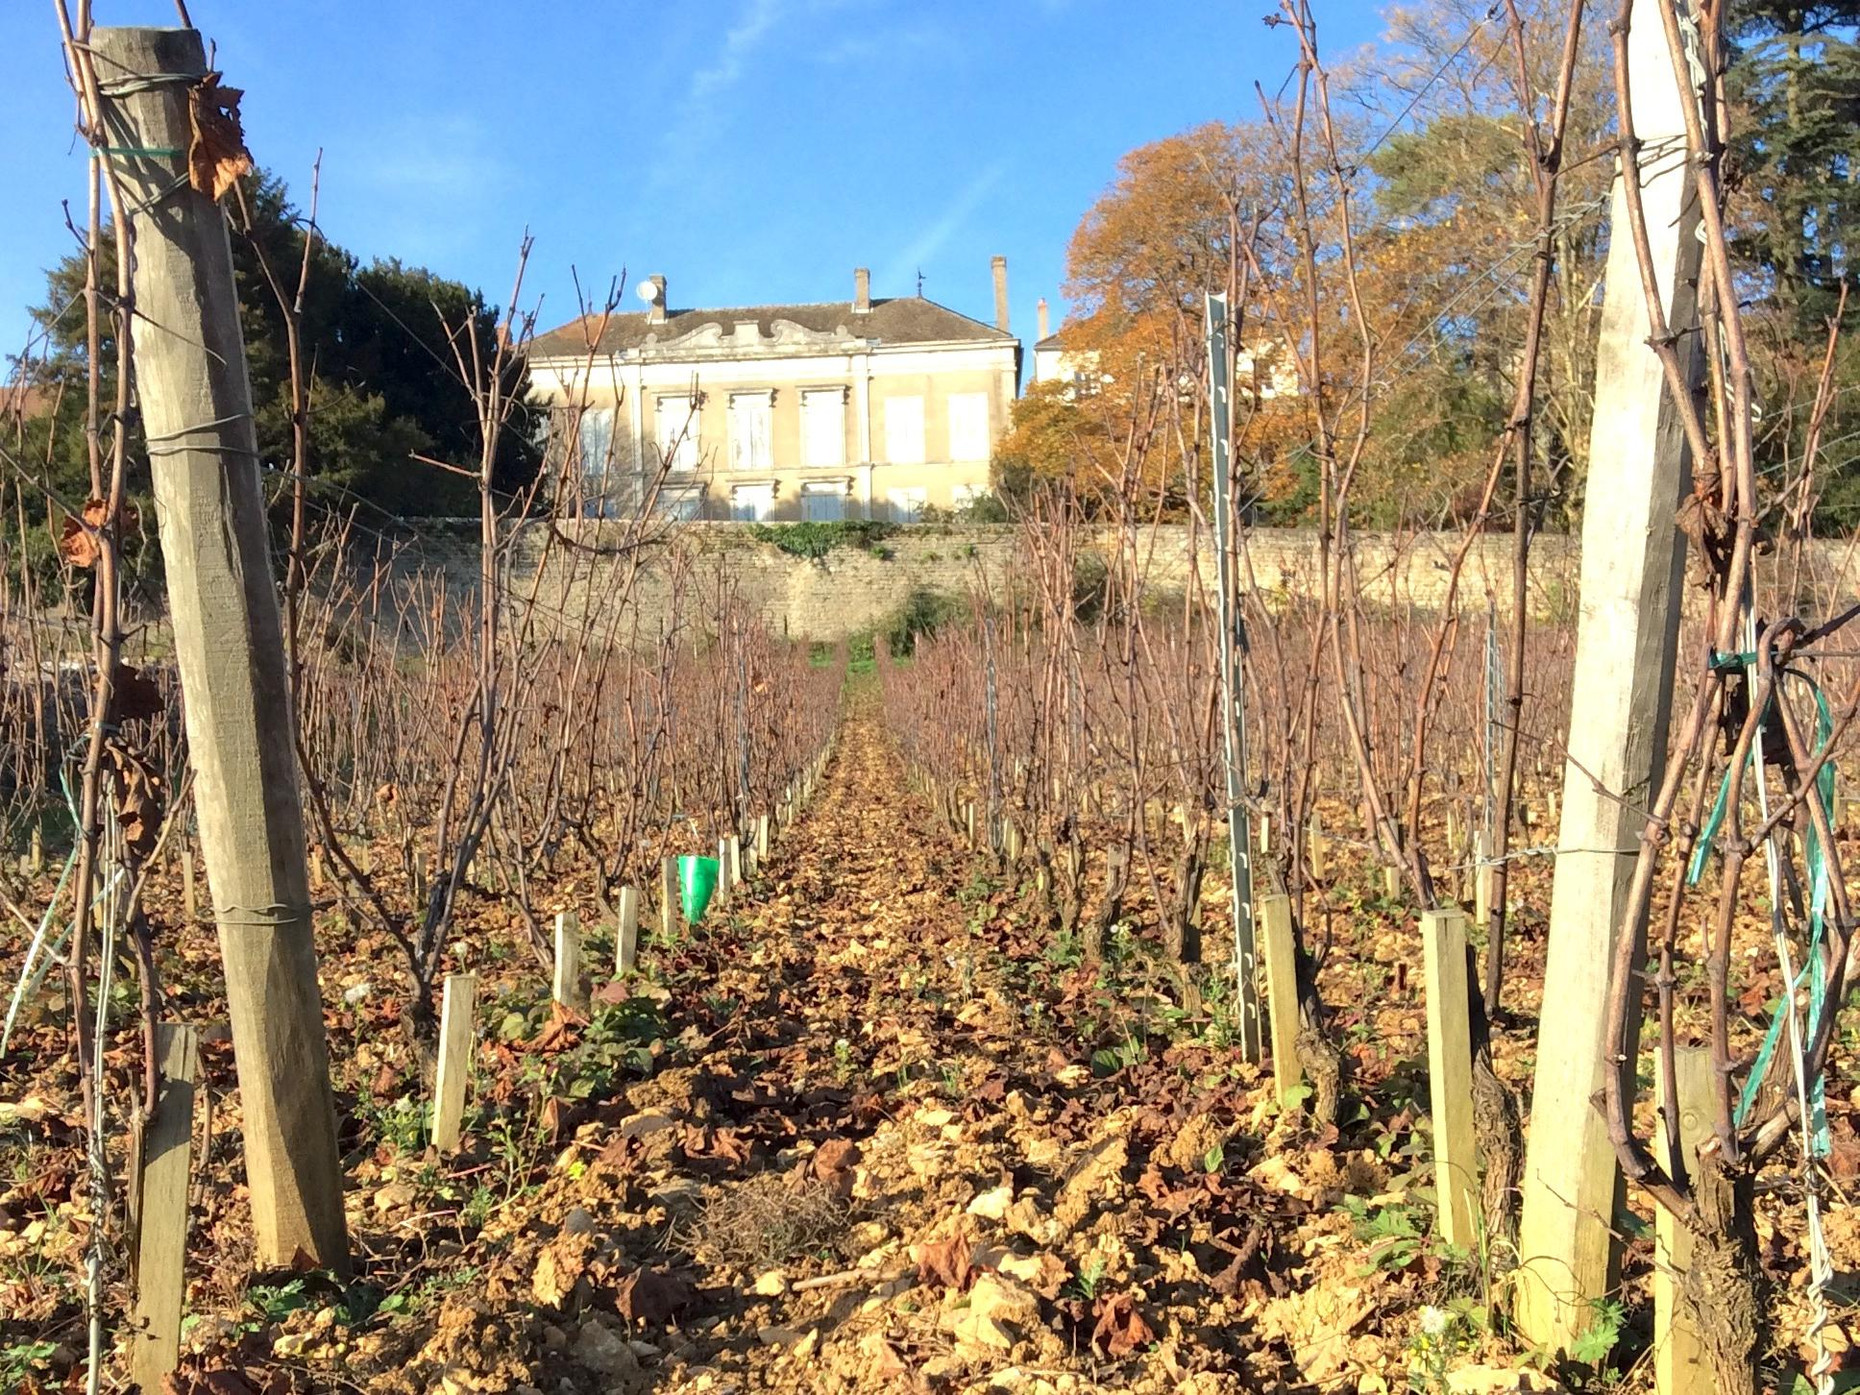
point(381, 376)
point(1794, 171)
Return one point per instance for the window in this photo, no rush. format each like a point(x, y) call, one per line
point(963, 496)
point(823, 503)
point(751, 503)
point(904, 430)
point(907, 505)
point(683, 505)
point(749, 430)
point(823, 426)
point(678, 432)
point(596, 444)
point(968, 426)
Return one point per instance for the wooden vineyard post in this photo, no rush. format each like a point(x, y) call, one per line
point(566, 988)
point(1679, 1364)
point(736, 860)
point(668, 898)
point(968, 821)
point(1275, 918)
point(626, 932)
point(1449, 1076)
point(763, 838)
point(725, 883)
point(161, 1246)
point(196, 408)
point(1314, 846)
point(1391, 883)
point(1633, 561)
point(456, 1010)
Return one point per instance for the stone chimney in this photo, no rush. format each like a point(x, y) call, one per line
point(862, 291)
point(1045, 329)
point(1001, 304)
point(653, 290)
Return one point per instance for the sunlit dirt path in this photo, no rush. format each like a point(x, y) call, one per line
point(872, 1127)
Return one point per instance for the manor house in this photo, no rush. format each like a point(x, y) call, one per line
point(859, 408)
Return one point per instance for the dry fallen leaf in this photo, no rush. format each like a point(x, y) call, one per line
point(946, 1262)
point(1120, 1329)
point(652, 1295)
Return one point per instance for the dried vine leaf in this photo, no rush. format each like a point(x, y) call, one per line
point(77, 538)
point(137, 695)
point(217, 156)
point(139, 802)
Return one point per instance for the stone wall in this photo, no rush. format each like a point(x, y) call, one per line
point(852, 589)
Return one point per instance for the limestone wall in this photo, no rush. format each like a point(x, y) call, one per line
point(853, 589)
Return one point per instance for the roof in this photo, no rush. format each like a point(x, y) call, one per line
point(1052, 341)
point(904, 320)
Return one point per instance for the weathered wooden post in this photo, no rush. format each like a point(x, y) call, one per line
point(764, 839)
point(196, 408)
point(1391, 883)
point(1275, 919)
point(1449, 1076)
point(626, 932)
point(566, 986)
point(1482, 879)
point(456, 1009)
point(161, 1245)
point(668, 898)
point(1633, 560)
point(726, 883)
point(1679, 1363)
point(1314, 846)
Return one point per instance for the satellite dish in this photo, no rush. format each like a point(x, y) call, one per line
point(648, 292)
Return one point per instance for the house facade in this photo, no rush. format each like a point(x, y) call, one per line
point(1264, 370)
point(863, 408)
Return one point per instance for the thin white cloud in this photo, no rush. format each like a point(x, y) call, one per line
point(887, 46)
point(924, 247)
point(697, 116)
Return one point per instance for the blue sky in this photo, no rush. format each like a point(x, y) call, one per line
point(749, 150)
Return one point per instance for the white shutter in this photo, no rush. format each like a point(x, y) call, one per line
point(761, 450)
point(596, 442)
point(677, 427)
point(823, 427)
point(904, 430)
point(907, 505)
point(968, 426)
point(823, 503)
point(749, 431)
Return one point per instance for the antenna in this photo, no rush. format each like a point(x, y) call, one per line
point(920, 283)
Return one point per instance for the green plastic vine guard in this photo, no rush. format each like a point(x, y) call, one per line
point(697, 883)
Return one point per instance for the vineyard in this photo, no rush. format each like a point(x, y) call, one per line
point(1139, 967)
